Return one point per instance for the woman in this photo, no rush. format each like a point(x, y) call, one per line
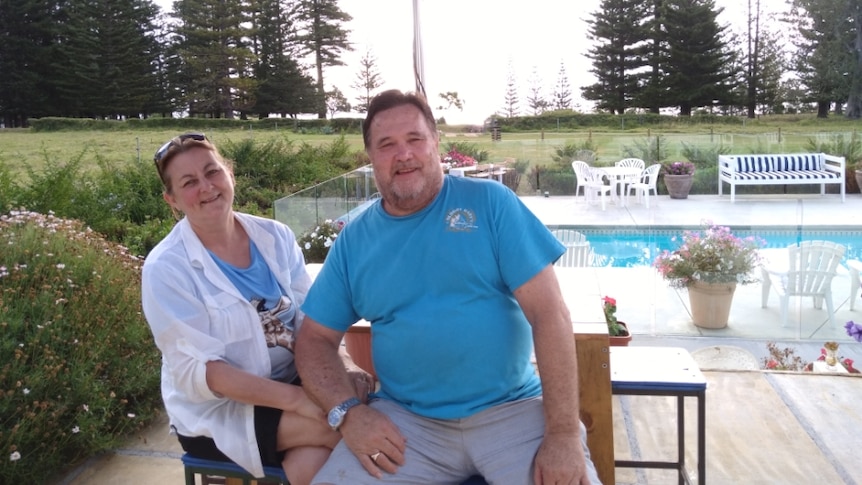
point(221, 294)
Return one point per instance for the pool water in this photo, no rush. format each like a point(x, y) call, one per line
point(626, 247)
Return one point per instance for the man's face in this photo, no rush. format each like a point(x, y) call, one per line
point(406, 159)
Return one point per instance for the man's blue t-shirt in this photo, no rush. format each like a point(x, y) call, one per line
point(448, 337)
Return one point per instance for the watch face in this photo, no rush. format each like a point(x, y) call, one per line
point(334, 418)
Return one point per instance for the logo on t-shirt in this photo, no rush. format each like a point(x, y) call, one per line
point(460, 220)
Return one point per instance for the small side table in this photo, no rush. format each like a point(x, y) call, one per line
point(663, 371)
point(855, 267)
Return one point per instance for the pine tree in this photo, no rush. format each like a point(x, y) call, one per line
point(510, 103)
point(617, 31)
point(562, 90)
point(282, 87)
point(216, 61)
point(697, 54)
point(535, 100)
point(323, 35)
point(829, 51)
point(367, 80)
point(28, 30)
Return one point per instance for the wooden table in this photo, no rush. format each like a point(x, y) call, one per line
point(663, 371)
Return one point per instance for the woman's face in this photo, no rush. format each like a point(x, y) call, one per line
point(202, 187)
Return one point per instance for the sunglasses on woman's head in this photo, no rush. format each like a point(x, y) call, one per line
point(178, 140)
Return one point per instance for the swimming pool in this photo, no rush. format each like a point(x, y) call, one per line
point(631, 247)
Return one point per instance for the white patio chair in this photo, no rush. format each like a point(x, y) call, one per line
point(580, 168)
point(623, 183)
point(811, 265)
point(578, 252)
point(631, 162)
point(595, 185)
point(647, 182)
point(568, 236)
point(855, 267)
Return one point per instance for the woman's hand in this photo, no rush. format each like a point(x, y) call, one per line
point(363, 383)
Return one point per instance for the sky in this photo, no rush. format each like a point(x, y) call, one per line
point(471, 46)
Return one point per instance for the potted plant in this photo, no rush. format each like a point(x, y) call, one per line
point(315, 244)
point(678, 178)
point(456, 159)
point(709, 264)
point(617, 330)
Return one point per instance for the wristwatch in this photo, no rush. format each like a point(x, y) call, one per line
point(335, 418)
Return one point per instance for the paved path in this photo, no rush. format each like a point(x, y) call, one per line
point(762, 427)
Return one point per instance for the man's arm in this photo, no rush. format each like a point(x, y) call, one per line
point(323, 367)
point(561, 456)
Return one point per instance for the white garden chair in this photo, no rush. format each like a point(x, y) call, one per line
point(646, 184)
point(577, 248)
point(595, 185)
point(580, 168)
point(809, 270)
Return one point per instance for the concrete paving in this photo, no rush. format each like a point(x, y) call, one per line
point(761, 427)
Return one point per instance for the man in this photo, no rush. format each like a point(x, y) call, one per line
point(455, 276)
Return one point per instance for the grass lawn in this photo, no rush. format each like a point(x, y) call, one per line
point(21, 148)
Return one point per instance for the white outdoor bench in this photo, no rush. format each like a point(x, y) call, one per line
point(780, 169)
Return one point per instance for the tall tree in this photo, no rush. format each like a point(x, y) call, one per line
point(324, 36)
point(772, 66)
point(617, 32)
point(216, 61)
point(829, 60)
point(653, 91)
point(752, 67)
point(367, 81)
point(28, 30)
point(336, 102)
point(282, 87)
point(510, 102)
point(562, 90)
point(535, 99)
point(697, 54)
point(764, 61)
point(854, 100)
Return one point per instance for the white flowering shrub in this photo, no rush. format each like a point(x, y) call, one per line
point(79, 370)
point(315, 244)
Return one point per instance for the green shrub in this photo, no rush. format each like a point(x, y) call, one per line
point(78, 368)
point(652, 149)
point(850, 149)
point(585, 151)
point(9, 189)
point(552, 179)
point(703, 157)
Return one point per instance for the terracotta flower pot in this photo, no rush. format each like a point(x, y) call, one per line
point(710, 303)
point(678, 186)
point(621, 340)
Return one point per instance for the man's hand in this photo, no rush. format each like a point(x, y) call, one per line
point(374, 439)
point(560, 461)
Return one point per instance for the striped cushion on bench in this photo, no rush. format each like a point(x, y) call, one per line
point(778, 163)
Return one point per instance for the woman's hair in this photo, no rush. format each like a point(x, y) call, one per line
point(392, 99)
point(179, 144)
